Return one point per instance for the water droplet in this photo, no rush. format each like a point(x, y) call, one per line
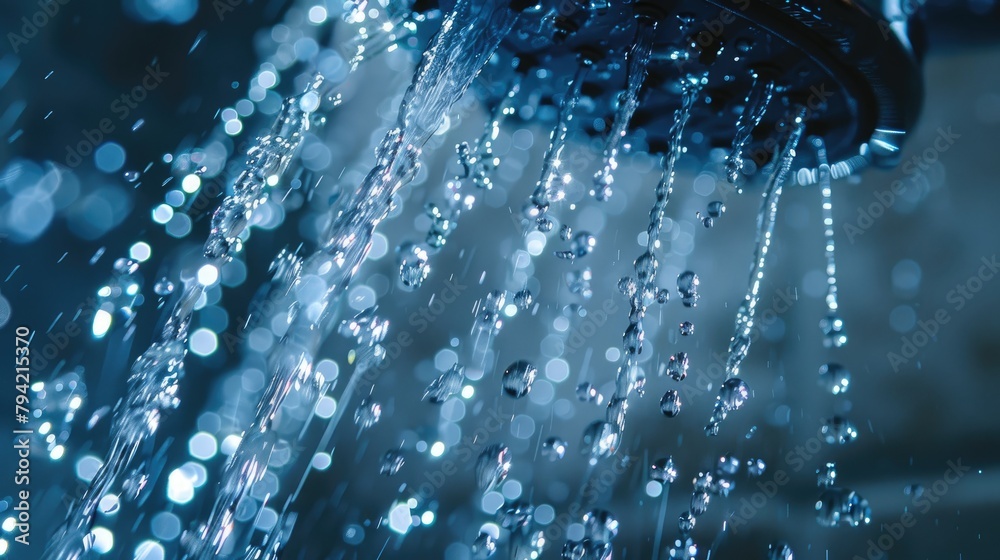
point(733, 393)
point(554, 448)
point(756, 467)
point(517, 515)
point(670, 404)
point(684, 550)
point(715, 209)
point(628, 286)
point(565, 232)
point(163, 287)
point(914, 490)
point(687, 328)
point(447, 384)
point(578, 282)
point(677, 366)
point(830, 507)
point(413, 265)
point(858, 511)
point(131, 176)
point(392, 461)
point(663, 470)
point(699, 502)
point(600, 526)
point(518, 377)
point(834, 378)
point(826, 476)
point(586, 392)
point(839, 430)
point(727, 465)
point(368, 413)
point(834, 333)
point(703, 482)
point(779, 550)
point(484, 547)
point(492, 466)
point(583, 244)
point(600, 440)
point(523, 299)
point(686, 522)
point(687, 287)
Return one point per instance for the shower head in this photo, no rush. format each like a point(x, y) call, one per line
point(854, 66)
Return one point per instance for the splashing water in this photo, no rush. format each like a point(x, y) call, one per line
point(638, 59)
point(753, 111)
point(469, 35)
point(832, 325)
point(545, 192)
point(642, 290)
point(739, 344)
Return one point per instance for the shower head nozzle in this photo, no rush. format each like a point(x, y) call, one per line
point(854, 66)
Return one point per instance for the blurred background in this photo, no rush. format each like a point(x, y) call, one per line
point(922, 260)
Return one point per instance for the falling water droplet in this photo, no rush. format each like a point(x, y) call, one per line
point(663, 470)
point(677, 366)
point(583, 244)
point(413, 265)
point(733, 393)
point(687, 287)
point(586, 392)
point(600, 526)
point(523, 299)
point(839, 430)
point(834, 378)
point(670, 404)
point(699, 502)
point(826, 476)
point(163, 287)
point(392, 461)
point(484, 547)
point(687, 328)
point(686, 522)
point(834, 333)
point(445, 385)
point(492, 466)
point(518, 377)
point(756, 467)
point(727, 465)
point(779, 550)
point(715, 209)
point(131, 176)
point(554, 448)
point(368, 413)
point(565, 232)
point(684, 550)
point(600, 440)
point(662, 296)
